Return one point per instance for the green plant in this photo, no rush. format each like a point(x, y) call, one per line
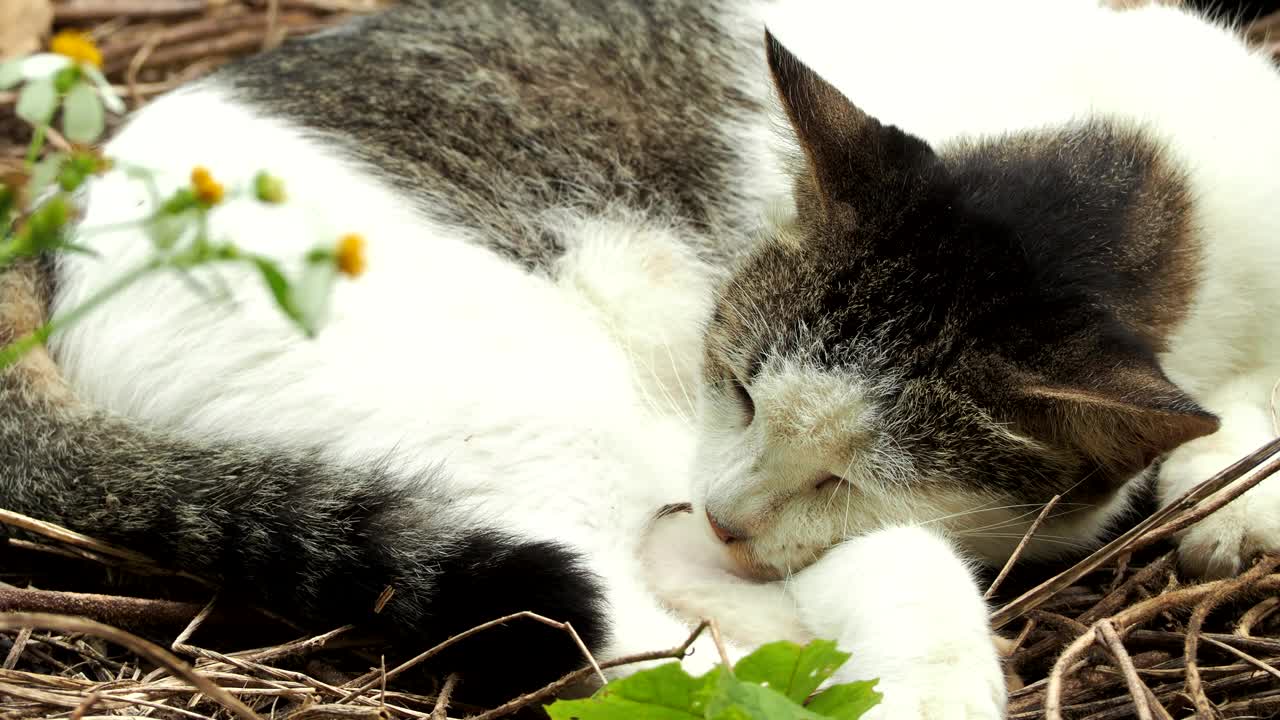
point(776, 682)
point(38, 205)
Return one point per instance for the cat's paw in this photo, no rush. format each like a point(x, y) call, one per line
point(1222, 544)
point(905, 606)
point(968, 684)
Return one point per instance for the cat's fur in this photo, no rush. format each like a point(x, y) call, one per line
point(574, 298)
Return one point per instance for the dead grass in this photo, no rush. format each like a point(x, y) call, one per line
point(1118, 635)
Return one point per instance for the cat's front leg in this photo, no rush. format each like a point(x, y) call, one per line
point(1221, 544)
point(906, 606)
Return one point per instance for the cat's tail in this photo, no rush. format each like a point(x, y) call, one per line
point(287, 530)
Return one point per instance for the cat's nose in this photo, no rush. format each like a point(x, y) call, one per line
point(721, 532)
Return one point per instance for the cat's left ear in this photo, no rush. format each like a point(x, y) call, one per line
point(852, 157)
point(1123, 422)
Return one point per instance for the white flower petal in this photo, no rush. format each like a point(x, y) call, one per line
point(312, 291)
point(110, 99)
point(43, 65)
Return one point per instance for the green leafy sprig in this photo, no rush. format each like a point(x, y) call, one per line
point(776, 682)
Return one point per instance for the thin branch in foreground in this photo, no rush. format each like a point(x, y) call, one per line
point(1142, 534)
point(148, 650)
point(1254, 615)
point(19, 644)
point(1138, 689)
point(719, 643)
point(1260, 664)
point(68, 537)
point(136, 615)
point(89, 701)
point(1070, 660)
point(1022, 544)
point(442, 700)
point(1202, 609)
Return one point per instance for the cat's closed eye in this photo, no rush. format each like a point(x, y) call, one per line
point(827, 482)
point(739, 391)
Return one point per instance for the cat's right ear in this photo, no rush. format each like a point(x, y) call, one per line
point(1122, 425)
point(850, 155)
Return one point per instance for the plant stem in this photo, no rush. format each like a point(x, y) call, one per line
point(37, 144)
point(12, 352)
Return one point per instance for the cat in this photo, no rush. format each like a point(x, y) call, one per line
point(866, 291)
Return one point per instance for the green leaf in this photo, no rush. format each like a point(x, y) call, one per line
point(182, 200)
point(613, 709)
point(76, 170)
point(279, 287)
point(848, 701)
point(66, 78)
point(46, 226)
point(44, 173)
point(313, 290)
point(790, 669)
point(770, 684)
point(738, 699)
point(82, 117)
point(37, 101)
point(10, 74)
point(665, 692)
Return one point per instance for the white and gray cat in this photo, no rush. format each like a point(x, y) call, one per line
point(868, 297)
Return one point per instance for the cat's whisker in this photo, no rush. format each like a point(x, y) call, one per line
point(675, 368)
point(984, 507)
point(1054, 539)
point(835, 488)
point(1018, 521)
point(671, 405)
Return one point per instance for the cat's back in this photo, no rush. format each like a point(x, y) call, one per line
point(497, 113)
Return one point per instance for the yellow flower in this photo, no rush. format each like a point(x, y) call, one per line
point(78, 46)
point(350, 255)
point(207, 190)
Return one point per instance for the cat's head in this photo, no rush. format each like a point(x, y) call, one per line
point(948, 335)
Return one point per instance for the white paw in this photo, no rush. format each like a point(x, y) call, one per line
point(967, 686)
point(1222, 544)
point(906, 608)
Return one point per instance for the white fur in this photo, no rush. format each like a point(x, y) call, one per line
point(561, 407)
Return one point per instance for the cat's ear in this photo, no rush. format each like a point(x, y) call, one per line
point(1123, 423)
point(850, 154)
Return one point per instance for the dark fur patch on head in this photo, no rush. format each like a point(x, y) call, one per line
point(1007, 297)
